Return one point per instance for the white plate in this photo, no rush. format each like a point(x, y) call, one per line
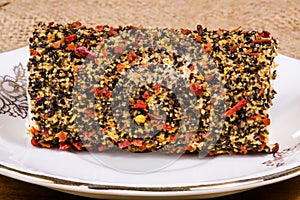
point(187, 177)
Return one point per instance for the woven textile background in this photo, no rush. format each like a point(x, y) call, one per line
point(280, 17)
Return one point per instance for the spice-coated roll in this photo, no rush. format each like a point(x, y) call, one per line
point(147, 90)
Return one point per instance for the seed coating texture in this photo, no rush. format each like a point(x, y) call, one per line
point(245, 60)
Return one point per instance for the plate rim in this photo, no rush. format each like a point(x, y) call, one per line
point(64, 184)
point(83, 186)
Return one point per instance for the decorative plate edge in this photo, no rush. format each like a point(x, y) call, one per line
point(13, 99)
point(229, 184)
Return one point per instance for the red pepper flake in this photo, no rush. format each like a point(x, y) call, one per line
point(140, 104)
point(104, 91)
point(174, 138)
point(137, 143)
point(208, 107)
point(253, 117)
point(263, 145)
point(50, 23)
point(199, 39)
point(132, 56)
point(89, 113)
point(275, 148)
point(264, 34)
point(236, 107)
point(143, 147)
point(33, 130)
point(101, 148)
point(191, 67)
point(189, 148)
point(249, 50)
point(50, 38)
point(211, 153)
point(100, 28)
point(38, 98)
point(120, 67)
point(56, 45)
point(268, 41)
point(199, 29)
point(70, 38)
point(83, 52)
point(261, 138)
point(107, 94)
point(196, 89)
point(87, 43)
point(77, 145)
point(112, 32)
point(267, 121)
point(70, 47)
point(167, 127)
point(171, 102)
point(118, 50)
point(208, 48)
point(185, 31)
point(33, 52)
point(157, 87)
point(254, 54)
point(45, 117)
point(76, 24)
point(243, 149)
point(196, 139)
point(62, 137)
point(233, 48)
point(209, 78)
point(204, 135)
point(262, 89)
point(46, 145)
point(131, 27)
point(146, 95)
point(34, 142)
point(222, 30)
point(93, 90)
point(124, 144)
point(64, 146)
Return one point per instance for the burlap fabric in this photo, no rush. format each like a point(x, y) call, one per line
point(280, 17)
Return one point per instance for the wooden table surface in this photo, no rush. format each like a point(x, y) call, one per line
point(11, 189)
